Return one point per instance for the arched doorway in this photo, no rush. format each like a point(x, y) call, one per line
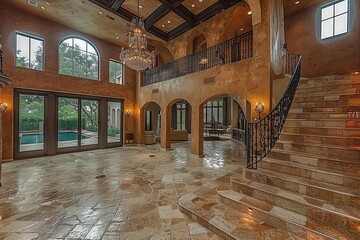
point(150, 115)
point(180, 118)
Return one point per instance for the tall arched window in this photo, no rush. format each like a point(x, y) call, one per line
point(78, 58)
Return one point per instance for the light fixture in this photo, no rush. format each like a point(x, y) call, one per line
point(100, 12)
point(204, 60)
point(137, 57)
point(259, 108)
point(297, 2)
point(140, 6)
point(163, 25)
point(128, 112)
point(193, 5)
point(168, 21)
point(249, 12)
point(3, 107)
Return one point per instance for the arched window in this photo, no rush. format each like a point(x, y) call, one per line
point(78, 58)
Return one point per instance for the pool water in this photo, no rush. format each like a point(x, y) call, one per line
point(39, 137)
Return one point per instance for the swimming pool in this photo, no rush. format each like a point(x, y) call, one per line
point(31, 138)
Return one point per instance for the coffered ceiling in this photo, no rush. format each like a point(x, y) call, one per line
point(166, 19)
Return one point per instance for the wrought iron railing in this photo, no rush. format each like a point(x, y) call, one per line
point(232, 50)
point(238, 134)
point(262, 135)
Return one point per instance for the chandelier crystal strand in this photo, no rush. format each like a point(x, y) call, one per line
point(137, 57)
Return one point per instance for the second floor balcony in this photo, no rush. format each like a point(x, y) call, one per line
point(233, 50)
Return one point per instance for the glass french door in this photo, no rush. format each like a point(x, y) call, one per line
point(78, 121)
point(114, 124)
point(31, 118)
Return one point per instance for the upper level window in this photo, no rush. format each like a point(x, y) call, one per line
point(29, 52)
point(78, 58)
point(116, 72)
point(334, 19)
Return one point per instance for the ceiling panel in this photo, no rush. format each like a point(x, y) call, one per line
point(197, 7)
point(148, 7)
point(165, 26)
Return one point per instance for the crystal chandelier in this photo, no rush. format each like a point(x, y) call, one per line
point(137, 57)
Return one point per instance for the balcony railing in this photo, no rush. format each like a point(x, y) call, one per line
point(232, 50)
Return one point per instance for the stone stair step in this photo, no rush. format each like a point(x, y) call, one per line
point(226, 222)
point(334, 91)
point(332, 86)
point(344, 99)
point(327, 103)
point(335, 194)
point(319, 115)
point(318, 139)
point(324, 131)
point(341, 123)
point(313, 209)
point(332, 176)
point(315, 154)
point(273, 215)
point(341, 109)
point(332, 81)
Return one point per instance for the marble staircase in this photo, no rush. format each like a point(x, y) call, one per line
point(309, 184)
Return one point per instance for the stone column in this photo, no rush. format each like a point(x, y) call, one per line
point(165, 127)
point(197, 130)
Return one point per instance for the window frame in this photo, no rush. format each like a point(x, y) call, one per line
point(181, 110)
point(123, 72)
point(73, 69)
point(30, 37)
point(333, 17)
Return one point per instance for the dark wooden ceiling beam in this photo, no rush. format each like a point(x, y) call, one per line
point(115, 4)
point(156, 16)
point(157, 32)
point(185, 13)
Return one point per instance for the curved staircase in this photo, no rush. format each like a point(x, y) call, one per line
point(309, 184)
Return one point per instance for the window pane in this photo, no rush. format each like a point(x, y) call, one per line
point(65, 60)
point(183, 120)
point(36, 54)
point(91, 49)
point(31, 122)
point(221, 115)
point(341, 24)
point(327, 28)
point(341, 7)
point(178, 119)
point(79, 65)
point(89, 122)
point(327, 12)
point(22, 51)
point(92, 66)
point(114, 121)
point(115, 72)
point(67, 122)
point(80, 44)
point(68, 42)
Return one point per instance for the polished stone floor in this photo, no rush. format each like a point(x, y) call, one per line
point(59, 197)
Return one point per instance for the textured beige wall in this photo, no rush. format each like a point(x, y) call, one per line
point(339, 55)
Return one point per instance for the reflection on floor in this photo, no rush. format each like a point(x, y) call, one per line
point(59, 197)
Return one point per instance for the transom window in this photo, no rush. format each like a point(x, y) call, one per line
point(78, 58)
point(334, 19)
point(29, 52)
point(116, 72)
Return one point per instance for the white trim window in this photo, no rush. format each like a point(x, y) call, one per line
point(334, 19)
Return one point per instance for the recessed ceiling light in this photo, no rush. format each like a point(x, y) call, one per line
point(100, 12)
point(241, 29)
point(249, 12)
point(116, 33)
point(117, 37)
point(43, 8)
point(47, 3)
point(163, 25)
point(140, 6)
point(169, 21)
point(193, 5)
point(297, 2)
point(201, 0)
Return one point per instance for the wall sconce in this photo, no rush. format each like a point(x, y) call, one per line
point(259, 107)
point(128, 112)
point(3, 107)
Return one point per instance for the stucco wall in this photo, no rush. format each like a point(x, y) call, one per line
point(339, 55)
point(13, 20)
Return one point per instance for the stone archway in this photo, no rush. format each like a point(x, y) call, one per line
point(150, 125)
